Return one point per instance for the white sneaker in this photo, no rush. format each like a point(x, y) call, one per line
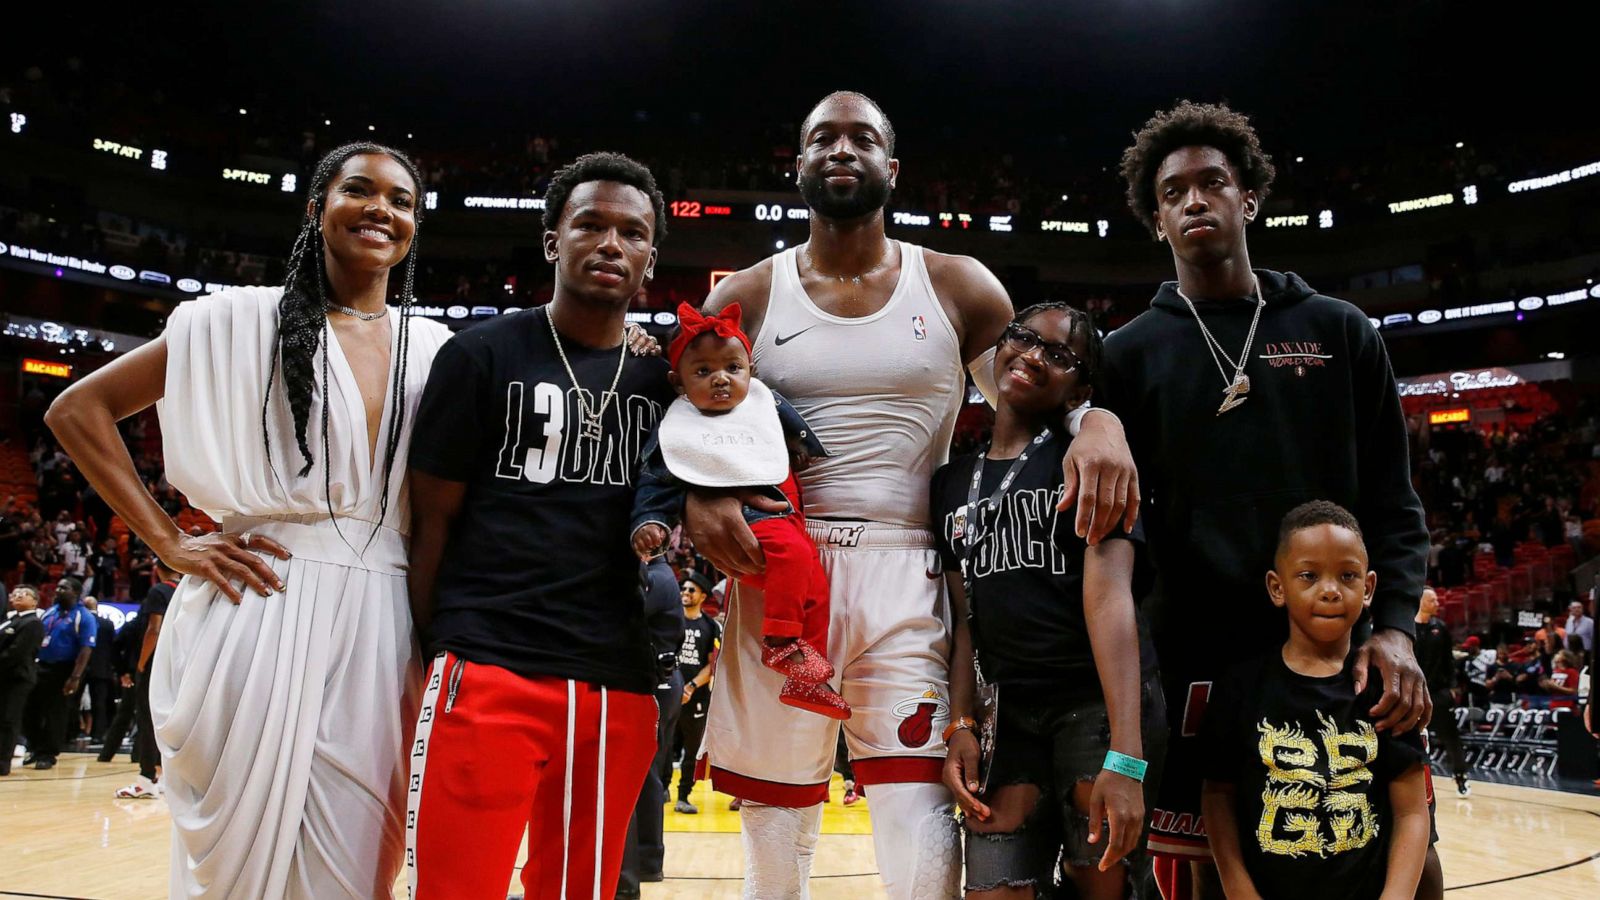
point(141, 789)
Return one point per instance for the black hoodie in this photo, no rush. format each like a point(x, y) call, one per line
point(1322, 421)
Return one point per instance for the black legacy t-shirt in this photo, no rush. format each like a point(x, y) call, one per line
point(1311, 778)
point(1027, 573)
point(538, 576)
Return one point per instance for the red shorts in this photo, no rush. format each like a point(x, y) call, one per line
point(496, 752)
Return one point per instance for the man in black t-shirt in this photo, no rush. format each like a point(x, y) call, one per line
point(1436, 655)
point(136, 694)
point(701, 637)
point(538, 711)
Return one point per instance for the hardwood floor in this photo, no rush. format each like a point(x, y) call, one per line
point(64, 836)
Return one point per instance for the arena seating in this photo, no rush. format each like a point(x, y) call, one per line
point(1495, 592)
point(1522, 741)
point(1523, 403)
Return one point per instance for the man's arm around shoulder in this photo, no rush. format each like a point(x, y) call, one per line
point(749, 288)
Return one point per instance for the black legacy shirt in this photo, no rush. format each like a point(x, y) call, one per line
point(538, 576)
point(1027, 573)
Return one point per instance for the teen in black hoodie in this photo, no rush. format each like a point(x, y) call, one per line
point(1321, 420)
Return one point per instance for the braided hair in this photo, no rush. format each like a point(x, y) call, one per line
point(1077, 319)
point(303, 323)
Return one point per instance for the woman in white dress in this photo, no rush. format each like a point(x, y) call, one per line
point(286, 680)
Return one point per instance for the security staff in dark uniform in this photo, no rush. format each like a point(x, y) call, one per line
point(20, 636)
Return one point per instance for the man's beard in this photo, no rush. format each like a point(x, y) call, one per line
point(869, 195)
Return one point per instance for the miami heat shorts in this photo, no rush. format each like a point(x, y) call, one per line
point(889, 642)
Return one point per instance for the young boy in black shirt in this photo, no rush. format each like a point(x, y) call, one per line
point(1303, 796)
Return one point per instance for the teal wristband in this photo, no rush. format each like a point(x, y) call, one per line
point(1123, 764)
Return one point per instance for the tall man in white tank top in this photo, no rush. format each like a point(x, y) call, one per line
point(868, 338)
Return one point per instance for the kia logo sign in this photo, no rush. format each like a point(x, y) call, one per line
point(1375, 322)
point(510, 309)
point(1529, 304)
point(4, 249)
point(1429, 316)
point(190, 285)
point(122, 273)
point(457, 312)
point(666, 318)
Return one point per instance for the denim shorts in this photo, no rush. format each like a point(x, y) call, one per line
point(1056, 743)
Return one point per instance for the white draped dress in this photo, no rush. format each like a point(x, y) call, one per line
point(283, 721)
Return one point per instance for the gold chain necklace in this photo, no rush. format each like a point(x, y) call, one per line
point(591, 418)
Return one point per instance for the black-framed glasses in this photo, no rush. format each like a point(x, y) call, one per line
point(1058, 356)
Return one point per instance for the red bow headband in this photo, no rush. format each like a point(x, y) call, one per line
point(691, 324)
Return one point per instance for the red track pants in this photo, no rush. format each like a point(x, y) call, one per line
point(495, 752)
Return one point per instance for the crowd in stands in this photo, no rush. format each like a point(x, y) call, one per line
point(1514, 509)
point(1493, 489)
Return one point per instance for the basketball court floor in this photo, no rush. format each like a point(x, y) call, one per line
point(63, 836)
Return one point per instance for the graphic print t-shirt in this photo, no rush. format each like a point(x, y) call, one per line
point(1027, 573)
point(538, 576)
point(699, 639)
point(1311, 778)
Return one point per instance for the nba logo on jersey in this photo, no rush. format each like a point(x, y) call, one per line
point(919, 327)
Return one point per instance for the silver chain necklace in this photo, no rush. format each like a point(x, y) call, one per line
point(852, 279)
point(591, 418)
point(356, 313)
point(1239, 384)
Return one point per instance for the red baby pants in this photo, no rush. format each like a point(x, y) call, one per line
point(794, 585)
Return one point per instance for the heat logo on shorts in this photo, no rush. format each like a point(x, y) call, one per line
point(917, 715)
point(1169, 822)
point(845, 535)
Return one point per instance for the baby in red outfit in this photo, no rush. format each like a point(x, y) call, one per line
point(728, 430)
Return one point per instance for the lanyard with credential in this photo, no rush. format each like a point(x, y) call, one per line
point(968, 528)
point(967, 524)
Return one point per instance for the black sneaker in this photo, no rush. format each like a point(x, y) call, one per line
point(653, 877)
point(1463, 786)
point(44, 762)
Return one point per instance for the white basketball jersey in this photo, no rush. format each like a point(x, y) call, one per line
point(881, 392)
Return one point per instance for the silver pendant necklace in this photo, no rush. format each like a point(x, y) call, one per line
point(356, 313)
point(1239, 385)
point(591, 429)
